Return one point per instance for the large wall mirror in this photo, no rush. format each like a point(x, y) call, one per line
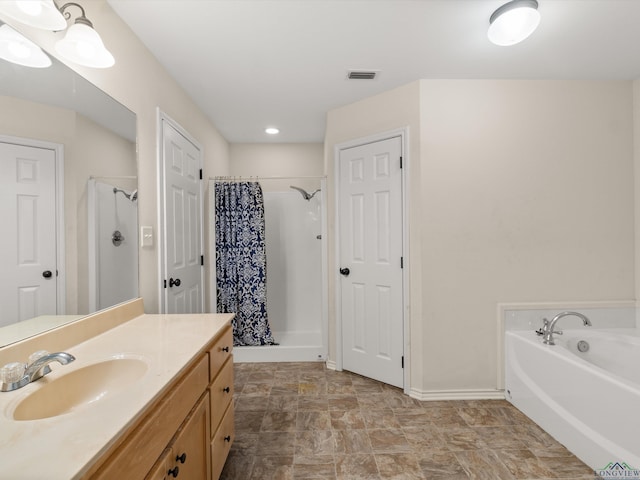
point(68, 199)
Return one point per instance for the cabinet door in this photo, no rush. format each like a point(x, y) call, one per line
point(191, 445)
point(161, 467)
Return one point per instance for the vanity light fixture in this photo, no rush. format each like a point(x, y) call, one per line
point(42, 14)
point(513, 22)
point(82, 44)
point(16, 48)
point(271, 131)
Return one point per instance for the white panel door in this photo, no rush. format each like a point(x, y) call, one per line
point(370, 199)
point(182, 164)
point(28, 247)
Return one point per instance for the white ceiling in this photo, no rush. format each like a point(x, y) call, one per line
point(256, 63)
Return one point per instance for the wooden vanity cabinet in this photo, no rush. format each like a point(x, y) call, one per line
point(187, 457)
point(221, 401)
point(186, 434)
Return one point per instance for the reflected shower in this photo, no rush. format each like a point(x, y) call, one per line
point(133, 196)
point(306, 195)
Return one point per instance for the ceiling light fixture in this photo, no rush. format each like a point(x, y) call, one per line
point(271, 131)
point(15, 48)
point(35, 13)
point(81, 43)
point(513, 22)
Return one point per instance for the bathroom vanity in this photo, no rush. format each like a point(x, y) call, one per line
point(148, 397)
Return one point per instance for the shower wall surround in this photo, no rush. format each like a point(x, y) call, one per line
point(113, 241)
point(294, 265)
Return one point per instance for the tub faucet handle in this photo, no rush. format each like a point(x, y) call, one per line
point(544, 329)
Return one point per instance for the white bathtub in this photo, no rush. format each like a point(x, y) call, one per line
point(589, 402)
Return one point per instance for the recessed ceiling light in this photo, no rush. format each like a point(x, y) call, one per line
point(272, 131)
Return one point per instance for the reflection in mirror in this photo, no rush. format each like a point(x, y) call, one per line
point(113, 246)
point(59, 137)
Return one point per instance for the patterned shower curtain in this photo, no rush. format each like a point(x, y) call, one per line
point(241, 261)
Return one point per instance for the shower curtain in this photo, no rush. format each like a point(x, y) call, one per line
point(241, 261)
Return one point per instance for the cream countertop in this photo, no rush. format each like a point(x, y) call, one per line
point(27, 328)
point(64, 447)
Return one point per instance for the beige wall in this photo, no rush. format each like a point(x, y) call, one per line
point(268, 160)
point(89, 150)
point(276, 159)
point(521, 191)
point(139, 82)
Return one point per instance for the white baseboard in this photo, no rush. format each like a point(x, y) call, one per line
point(331, 365)
point(456, 394)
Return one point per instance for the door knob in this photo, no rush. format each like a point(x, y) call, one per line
point(173, 282)
point(47, 274)
point(345, 271)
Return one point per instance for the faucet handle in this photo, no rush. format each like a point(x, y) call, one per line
point(557, 332)
point(12, 372)
point(12, 376)
point(36, 355)
point(544, 329)
point(41, 372)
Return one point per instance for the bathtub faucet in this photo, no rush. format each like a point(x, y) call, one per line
point(548, 327)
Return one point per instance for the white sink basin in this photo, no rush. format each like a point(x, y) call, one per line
point(80, 388)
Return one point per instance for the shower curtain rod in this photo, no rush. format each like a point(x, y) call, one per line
point(242, 178)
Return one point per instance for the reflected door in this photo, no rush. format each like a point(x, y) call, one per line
point(28, 247)
point(182, 165)
point(370, 260)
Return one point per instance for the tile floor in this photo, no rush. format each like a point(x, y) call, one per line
point(302, 421)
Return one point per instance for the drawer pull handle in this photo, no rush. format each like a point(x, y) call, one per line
point(225, 349)
point(181, 458)
point(174, 472)
point(227, 438)
point(226, 389)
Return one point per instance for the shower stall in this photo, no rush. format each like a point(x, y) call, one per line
point(113, 240)
point(295, 243)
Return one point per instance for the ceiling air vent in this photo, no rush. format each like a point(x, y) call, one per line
point(361, 75)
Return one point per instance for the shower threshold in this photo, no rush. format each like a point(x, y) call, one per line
point(293, 347)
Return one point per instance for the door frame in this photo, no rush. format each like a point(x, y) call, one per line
point(162, 234)
point(58, 150)
point(403, 133)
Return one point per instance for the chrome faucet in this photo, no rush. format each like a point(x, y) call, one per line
point(40, 367)
point(548, 326)
point(17, 375)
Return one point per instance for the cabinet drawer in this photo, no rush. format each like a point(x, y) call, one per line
point(139, 451)
point(221, 394)
point(220, 352)
point(221, 443)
